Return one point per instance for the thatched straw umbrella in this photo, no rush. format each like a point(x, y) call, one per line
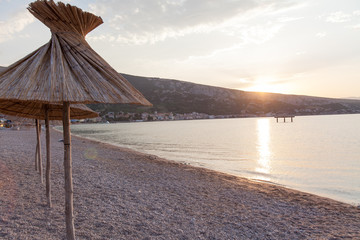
point(47, 112)
point(66, 70)
point(37, 110)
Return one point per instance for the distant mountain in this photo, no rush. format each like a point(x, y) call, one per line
point(175, 96)
point(184, 97)
point(354, 98)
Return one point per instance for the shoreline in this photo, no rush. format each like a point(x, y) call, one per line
point(123, 194)
point(328, 193)
point(214, 170)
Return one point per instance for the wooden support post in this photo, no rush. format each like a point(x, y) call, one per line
point(39, 151)
point(69, 217)
point(37, 143)
point(284, 117)
point(41, 167)
point(48, 157)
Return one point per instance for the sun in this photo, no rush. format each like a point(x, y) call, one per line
point(266, 84)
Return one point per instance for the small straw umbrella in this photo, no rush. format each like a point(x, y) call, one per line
point(47, 112)
point(66, 70)
point(36, 110)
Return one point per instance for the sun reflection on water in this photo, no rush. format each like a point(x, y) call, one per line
point(263, 147)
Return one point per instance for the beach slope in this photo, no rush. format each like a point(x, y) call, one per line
point(122, 194)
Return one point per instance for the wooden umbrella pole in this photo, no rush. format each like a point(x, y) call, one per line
point(69, 217)
point(39, 152)
point(48, 157)
point(37, 143)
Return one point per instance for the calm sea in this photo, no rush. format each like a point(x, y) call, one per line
point(316, 154)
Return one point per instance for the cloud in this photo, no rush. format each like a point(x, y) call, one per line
point(259, 34)
point(289, 19)
point(338, 17)
point(321, 34)
point(98, 9)
point(355, 26)
point(356, 13)
point(148, 22)
point(14, 25)
point(300, 53)
point(351, 19)
point(101, 37)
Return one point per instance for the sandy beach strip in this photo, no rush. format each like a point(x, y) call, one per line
point(122, 194)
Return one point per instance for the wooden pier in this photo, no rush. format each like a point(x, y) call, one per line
point(284, 117)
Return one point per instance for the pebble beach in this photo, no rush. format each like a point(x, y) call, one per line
point(123, 194)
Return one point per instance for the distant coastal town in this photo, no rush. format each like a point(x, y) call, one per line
point(113, 117)
point(155, 116)
point(123, 116)
point(169, 116)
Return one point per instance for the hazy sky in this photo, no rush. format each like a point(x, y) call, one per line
point(309, 47)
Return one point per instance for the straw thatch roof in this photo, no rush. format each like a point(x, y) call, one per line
point(66, 69)
point(36, 110)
